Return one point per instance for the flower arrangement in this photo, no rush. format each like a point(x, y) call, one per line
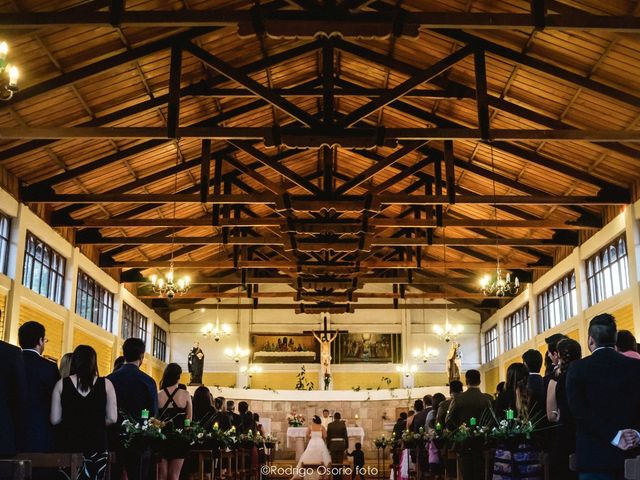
point(270, 441)
point(147, 432)
point(216, 438)
point(382, 442)
point(412, 439)
point(295, 420)
point(514, 429)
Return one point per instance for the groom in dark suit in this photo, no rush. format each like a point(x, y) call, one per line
point(604, 398)
point(338, 439)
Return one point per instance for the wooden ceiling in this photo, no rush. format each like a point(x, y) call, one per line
point(324, 145)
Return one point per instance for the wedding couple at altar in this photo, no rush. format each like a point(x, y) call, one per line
point(326, 445)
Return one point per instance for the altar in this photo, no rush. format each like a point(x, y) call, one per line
point(297, 436)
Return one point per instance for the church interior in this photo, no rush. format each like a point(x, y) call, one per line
point(310, 204)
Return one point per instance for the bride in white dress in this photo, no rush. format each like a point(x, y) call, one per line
point(316, 452)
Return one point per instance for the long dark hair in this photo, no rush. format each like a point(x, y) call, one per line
point(569, 351)
point(517, 376)
point(171, 375)
point(202, 406)
point(84, 365)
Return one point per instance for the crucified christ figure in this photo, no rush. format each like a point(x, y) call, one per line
point(326, 338)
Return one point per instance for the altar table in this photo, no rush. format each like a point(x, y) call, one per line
point(299, 435)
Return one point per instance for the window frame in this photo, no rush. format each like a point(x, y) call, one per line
point(599, 265)
point(94, 302)
point(516, 328)
point(159, 343)
point(49, 260)
point(557, 303)
point(490, 344)
point(5, 242)
point(134, 324)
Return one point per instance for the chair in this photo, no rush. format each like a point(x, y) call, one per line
point(15, 470)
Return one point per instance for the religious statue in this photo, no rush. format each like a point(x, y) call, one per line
point(195, 364)
point(326, 338)
point(453, 362)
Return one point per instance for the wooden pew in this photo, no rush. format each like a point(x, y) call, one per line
point(15, 470)
point(72, 461)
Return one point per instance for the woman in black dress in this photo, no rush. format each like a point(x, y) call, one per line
point(174, 407)
point(83, 404)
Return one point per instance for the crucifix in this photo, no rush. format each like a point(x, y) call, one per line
point(325, 337)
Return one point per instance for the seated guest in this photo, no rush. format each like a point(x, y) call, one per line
point(36, 433)
point(65, 365)
point(83, 404)
point(245, 423)
point(563, 439)
point(13, 395)
point(174, 407)
point(626, 344)
point(604, 399)
point(135, 391)
point(203, 411)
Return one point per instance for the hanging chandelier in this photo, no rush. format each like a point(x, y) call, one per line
point(448, 331)
point(498, 285)
point(250, 370)
point(216, 331)
point(407, 369)
point(169, 286)
point(236, 354)
point(8, 74)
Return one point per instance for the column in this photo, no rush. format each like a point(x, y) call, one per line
point(242, 379)
point(16, 266)
point(71, 284)
point(633, 251)
point(582, 301)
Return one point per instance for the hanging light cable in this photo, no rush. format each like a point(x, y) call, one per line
point(499, 286)
point(449, 331)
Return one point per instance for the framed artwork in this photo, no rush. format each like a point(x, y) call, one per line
point(367, 348)
point(284, 348)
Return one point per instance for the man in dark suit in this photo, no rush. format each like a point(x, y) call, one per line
point(604, 398)
point(13, 395)
point(36, 432)
point(467, 405)
point(535, 383)
point(419, 455)
point(135, 391)
point(338, 439)
point(232, 416)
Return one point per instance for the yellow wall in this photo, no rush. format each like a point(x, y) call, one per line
point(430, 379)
point(276, 380)
point(102, 347)
point(54, 329)
point(491, 380)
point(574, 334)
point(624, 318)
point(3, 304)
point(347, 380)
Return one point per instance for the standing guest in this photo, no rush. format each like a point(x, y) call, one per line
point(245, 423)
point(415, 423)
point(65, 365)
point(203, 411)
point(512, 398)
point(84, 404)
point(455, 387)
point(117, 363)
point(470, 404)
point(535, 383)
point(13, 396)
point(233, 417)
point(401, 425)
point(563, 440)
point(36, 432)
point(499, 389)
point(604, 436)
point(259, 428)
point(433, 455)
point(325, 418)
point(626, 344)
point(135, 391)
point(419, 419)
point(551, 359)
point(174, 407)
point(337, 439)
point(221, 417)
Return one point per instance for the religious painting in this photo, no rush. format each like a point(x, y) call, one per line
point(367, 348)
point(284, 348)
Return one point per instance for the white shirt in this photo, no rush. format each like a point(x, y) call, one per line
point(325, 421)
